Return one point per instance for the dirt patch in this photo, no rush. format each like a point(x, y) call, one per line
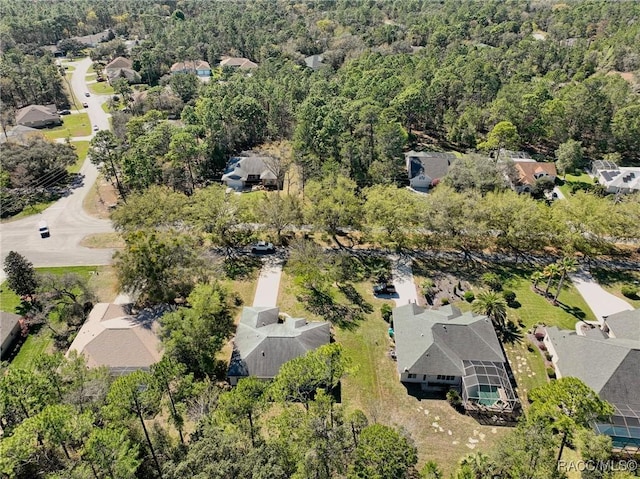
point(103, 240)
point(629, 77)
point(101, 199)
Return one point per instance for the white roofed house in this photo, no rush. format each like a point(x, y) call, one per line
point(615, 179)
point(265, 340)
point(248, 171)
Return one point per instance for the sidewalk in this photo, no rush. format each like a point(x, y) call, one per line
point(601, 302)
point(268, 282)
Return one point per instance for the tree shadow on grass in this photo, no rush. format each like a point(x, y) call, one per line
point(355, 298)
point(324, 305)
point(607, 277)
point(241, 267)
point(573, 311)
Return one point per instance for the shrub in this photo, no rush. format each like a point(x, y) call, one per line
point(428, 288)
point(454, 398)
point(509, 296)
point(629, 291)
point(469, 296)
point(386, 312)
point(492, 281)
point(444, 301)
point(547, 356)
point(551, 373)
point(530, 348)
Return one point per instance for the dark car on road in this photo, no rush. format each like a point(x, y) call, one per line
point(384, 288)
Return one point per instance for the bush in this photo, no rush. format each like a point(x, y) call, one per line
point(386, 311)
point(428, 288)
point(454, 398)
point(530, 348)
point(469, 296)
point(492, 281)
point(551, 373)
point(509, 296)
point(629, 291)
point(547, 356)
point(444, 301)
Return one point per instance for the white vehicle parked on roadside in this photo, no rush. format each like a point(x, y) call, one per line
point(262, 247)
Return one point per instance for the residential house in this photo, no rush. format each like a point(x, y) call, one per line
point(247, 171)
point(425, 167)
point(607, 359)
point(38, 116)
point(443, 349)
point(235, 62)
point(617, 180)
point(314, 61)
point(265, 340)
point(527, 170)
point(18, 134)
point(94, 39)
point(198, 67)
point(116, 337)
point(121, 67)
point(10, 331)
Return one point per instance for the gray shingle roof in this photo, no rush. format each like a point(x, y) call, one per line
point(609, 366)
point(625, 324)
point(243, 166)
point(8, 321)
point(438, 341)
point(262, 344)
point(433, 164)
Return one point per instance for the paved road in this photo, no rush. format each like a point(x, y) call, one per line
point(67, 221)
point(402, 274)
point(601, 302)
point(269, 282)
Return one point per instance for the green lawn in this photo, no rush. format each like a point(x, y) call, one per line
point(569, 180)
point(105, 107)
point(82, 147)
point(528, 368)
point(101, 88)
point(8, 299)
point(90, 77)
point(77, 124)
point(33, 347)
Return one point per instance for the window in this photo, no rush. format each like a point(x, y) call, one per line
point(442, 377)
point(412, 376)
point(424, 377)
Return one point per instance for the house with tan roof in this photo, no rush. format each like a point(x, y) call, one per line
point(199, 67)
point(121, 67)
point(38, 116)
point(265, 340)
point(236, 62)
point(116, 337)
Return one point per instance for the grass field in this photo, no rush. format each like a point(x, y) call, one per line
point(372, 385)
point(77, 124)
point(82, 147)
point(101, 88)
point(574, 179)
point(33, 347)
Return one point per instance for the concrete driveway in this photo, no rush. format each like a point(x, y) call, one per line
point(601, 302)
point(269, 281)
point(402, 275)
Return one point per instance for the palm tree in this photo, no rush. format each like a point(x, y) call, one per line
point(536, 277)
point(478, 464)
point(493, 305)
point(566, 265)
point(550, 272)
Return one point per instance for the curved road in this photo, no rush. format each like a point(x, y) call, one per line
point(67, 220)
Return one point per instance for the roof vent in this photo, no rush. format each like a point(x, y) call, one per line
point(262, 353)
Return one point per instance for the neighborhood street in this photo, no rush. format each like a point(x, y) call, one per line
point(66, 219)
